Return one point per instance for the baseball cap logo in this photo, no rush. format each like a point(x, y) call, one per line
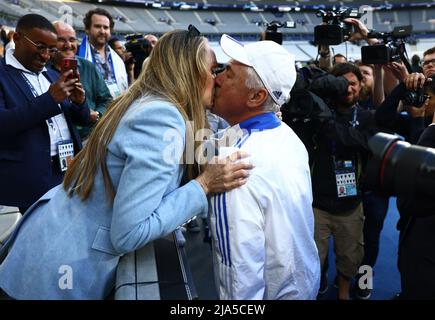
point(277, 94)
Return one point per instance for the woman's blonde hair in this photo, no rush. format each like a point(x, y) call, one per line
point(177, 71)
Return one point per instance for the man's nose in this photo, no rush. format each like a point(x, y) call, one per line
point(45, 55)
point(218, 79)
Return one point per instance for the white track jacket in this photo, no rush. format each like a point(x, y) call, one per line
point(263, 232)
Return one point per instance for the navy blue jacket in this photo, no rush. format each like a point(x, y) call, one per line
point(25, 162)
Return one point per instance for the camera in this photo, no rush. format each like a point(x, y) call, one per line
point(415, 98)
point(272, 32)
point(392, 48)
point(140, 49)
point(399, 168)
point(334, 30)
point(303, 104)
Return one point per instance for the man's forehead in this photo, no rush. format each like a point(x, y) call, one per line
point(100, 20)
point(62, 32)
point(42, 35)
point(429, 56)
point(351, 76)
point(237, 63)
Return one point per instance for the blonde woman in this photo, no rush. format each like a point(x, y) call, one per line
point(123, 189)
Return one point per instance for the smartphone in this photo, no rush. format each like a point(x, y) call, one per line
point(70, 64)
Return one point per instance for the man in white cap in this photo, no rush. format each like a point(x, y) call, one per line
point(263, 232)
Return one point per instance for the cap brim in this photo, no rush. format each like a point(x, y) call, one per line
point(234, 49)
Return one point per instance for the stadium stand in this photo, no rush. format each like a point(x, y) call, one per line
point(234, 17)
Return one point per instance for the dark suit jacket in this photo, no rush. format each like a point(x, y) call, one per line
point(25, 162)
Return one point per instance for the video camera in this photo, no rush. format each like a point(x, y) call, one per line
point(272, 32)
point(304, 105)
point(334, 30)
point(399, 168)
point(140, 49)
point(392, 49)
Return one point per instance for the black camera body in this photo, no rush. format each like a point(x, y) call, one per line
point(334, 30)
point(272, 32)
point(140, 49)
point(392, 49)
point(415, 98)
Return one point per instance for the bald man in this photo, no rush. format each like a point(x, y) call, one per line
point(97, 94)
point(151, 38)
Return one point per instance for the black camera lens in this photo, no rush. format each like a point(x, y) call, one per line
point(399, 168)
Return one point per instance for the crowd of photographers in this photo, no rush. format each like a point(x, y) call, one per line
point(336, 107)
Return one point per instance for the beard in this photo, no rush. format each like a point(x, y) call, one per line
point(365, 93)
point(345, 102)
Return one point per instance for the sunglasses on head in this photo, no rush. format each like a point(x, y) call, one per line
point(192, 31)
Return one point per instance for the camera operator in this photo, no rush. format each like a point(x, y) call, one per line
point(138, 48)
point(338, 152)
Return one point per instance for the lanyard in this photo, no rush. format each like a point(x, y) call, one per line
point(31, 87)
point(354, 122)
point(52, 123)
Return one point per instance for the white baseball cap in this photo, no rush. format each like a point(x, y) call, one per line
point(274, 65)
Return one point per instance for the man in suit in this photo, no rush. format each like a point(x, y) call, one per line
point(37, 108)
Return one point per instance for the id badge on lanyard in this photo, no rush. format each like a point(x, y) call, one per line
point(66, 154)
point(345, 178)
point(114, 89)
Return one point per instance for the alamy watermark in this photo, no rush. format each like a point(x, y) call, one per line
point(66, 279)
point(366, 13)
point(66, 14)
point(365, 280)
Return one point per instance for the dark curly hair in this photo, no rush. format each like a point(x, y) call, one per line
point(343, 68)
point(87, 20)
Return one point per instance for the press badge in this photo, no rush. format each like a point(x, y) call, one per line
point(113, 88)
point(65, 151)
point(345, 178)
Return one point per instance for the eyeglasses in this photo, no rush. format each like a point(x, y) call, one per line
point(192, 31)
point(41, 48)
point(427, 62)
point(64, 40)
point(218, 70)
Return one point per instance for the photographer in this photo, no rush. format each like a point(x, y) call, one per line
point(417, 239)
point(338, 151)
point(138, 48)
point(413, 90)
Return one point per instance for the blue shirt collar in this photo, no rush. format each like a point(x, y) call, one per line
point(261, 122)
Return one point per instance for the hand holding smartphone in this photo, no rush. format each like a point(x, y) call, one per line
point(70, 64)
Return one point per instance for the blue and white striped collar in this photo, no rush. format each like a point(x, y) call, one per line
point(260, 122)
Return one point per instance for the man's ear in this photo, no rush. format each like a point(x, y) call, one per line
point(257, 98)
point(16, 37)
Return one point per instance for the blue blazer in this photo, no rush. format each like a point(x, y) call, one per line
point(66, 248)
point(25, 168)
